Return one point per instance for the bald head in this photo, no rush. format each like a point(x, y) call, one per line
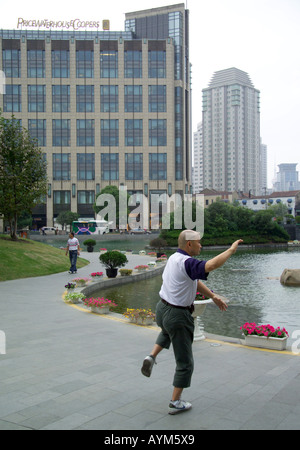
point(187, 235)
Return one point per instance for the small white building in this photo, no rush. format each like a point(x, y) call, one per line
point(256, 203)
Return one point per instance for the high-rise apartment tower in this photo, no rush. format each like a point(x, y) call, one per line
point(231, 133)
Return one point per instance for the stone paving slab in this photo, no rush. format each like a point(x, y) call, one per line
point(70, 370)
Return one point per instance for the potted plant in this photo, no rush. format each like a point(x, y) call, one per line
point(90, 243)
point(96, 276)
point(142, 267)
point(74, 297)
point(99, 305)
point(112, 260)
point(140, 316)
point(265, 336)
point(70, 286)
point(81, 281)
point(125, 272)
point(158, 243)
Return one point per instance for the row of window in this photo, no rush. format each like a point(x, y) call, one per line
point(85, 98)
point(85, 132)
point(60, 60)
point(61, 163)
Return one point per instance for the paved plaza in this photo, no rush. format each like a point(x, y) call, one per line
point(66, 369)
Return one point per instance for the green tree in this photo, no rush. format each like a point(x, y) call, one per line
point(23, 172)
point(67, 218)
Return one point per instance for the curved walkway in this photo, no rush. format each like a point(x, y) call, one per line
point(67, 370)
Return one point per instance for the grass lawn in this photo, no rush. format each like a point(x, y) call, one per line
point(25, 258)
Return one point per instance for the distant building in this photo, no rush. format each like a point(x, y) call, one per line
point(287, 178)
point(212, 196)
point(259, 203)
point(198, 160)
point(263, 167)
point(231, 133)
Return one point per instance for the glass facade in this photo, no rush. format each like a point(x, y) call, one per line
point(105, 106)
point(12, 100)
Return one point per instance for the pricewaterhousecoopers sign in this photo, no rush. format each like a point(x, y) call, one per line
point(75, 24)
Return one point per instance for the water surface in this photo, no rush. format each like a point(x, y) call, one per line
point(250, 282)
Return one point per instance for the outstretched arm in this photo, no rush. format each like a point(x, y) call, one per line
point(221, 259)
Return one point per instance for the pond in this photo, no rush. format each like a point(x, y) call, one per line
point(250, 282)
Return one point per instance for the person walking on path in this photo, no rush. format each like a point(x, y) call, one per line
point(181, 282)
point(74, 251)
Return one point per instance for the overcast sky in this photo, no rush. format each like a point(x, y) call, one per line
point(260, 37)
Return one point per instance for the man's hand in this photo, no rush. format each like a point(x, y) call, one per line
point(236, 244)
point(221, 304)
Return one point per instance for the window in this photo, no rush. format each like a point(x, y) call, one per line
point(85, 98)
point(133, 98)
point(12, 100)
point(11, 62)
point(61, 166)
point(85, 63)
point(36, 63)
point(109, 64)
point(86, 197)
point(37, 130)
point(133, 133)
point(133, 166)
point(36, 98)
point(85, 166)
point(157, 166)
point(156, 64)
point(109, 166)
point(60, 98)
point(133, 63)
point(109, 133)
point(61, 133)
point(85, 132)
point(109, 99)
point(60, 63)
point(157, 98)
point(157, 132)
point(62, 198)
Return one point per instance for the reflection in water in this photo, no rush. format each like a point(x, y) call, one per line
point(250, 282)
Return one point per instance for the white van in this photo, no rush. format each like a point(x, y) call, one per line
point(47, 230)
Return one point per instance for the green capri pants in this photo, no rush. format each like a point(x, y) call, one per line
point(177, 327)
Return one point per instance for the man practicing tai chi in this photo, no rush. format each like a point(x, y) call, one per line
point(174, 311)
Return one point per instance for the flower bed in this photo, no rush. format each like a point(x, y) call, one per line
point(263, 330)
point(96, 276)
point(140, 316)
point(99, 305)
point(81, 281)
point(142, 267)
point(70, 286)
point(74, 297)
point(265, 336)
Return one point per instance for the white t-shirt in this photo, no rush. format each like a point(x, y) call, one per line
point(180, 279)
point(73, 244)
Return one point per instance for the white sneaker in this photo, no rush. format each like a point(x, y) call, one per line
point(147, 366)
point(178, 406)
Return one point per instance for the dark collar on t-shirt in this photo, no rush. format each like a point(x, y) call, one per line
point(183, 252)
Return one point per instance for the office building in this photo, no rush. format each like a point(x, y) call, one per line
point(231, 133)
point(107, 108)
point(287, 178)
